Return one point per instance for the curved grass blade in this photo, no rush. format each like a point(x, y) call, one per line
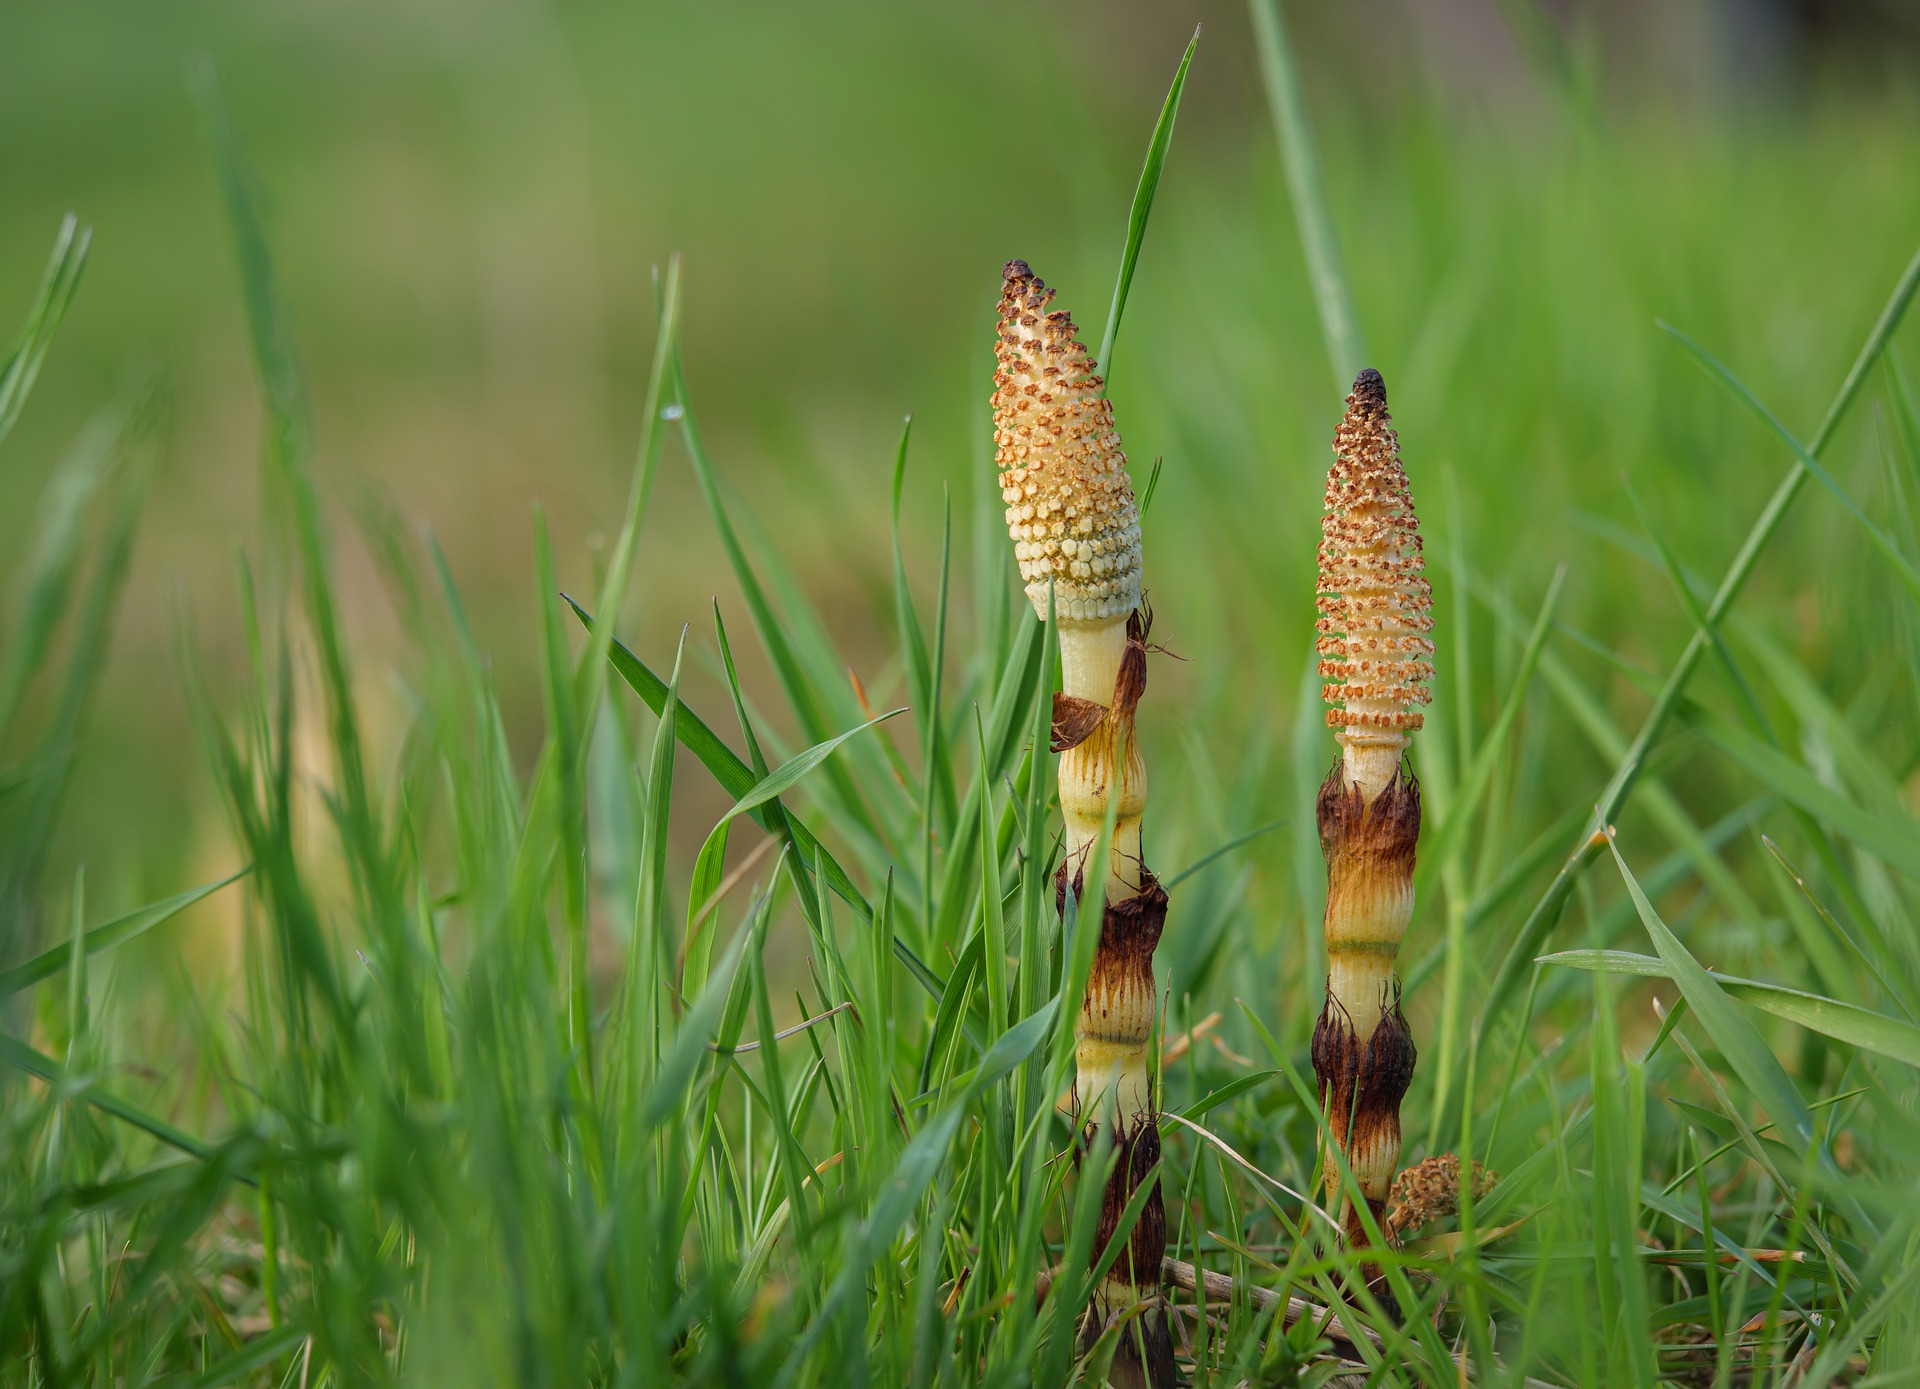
point(1546, 911)
point(57, 285)
point(1143, 195)
point(736, 778)
point(1742, 1046)
point(20, 1056)
point(711, 861)
point(1893, 840)
point(116, 932)
point(1903, 568)
point(1233, 1089)
point(788, 774)
point(1220, 851)
point(1844, 1022)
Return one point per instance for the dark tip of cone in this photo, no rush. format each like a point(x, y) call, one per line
point(1017, 270)
point(1369, 388)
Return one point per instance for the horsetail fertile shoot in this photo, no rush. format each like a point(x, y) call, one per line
point(1375, 655)
point(1076, 532)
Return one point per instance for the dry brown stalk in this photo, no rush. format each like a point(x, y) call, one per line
point(1076, 532)
point(1375, 616)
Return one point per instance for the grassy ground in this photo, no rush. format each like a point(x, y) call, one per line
point(488, 1084)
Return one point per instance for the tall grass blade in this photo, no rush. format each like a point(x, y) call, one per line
point(1339, 324)
point(1142, 209)
point(1547, 911)
point(21, 366)
point(1746, 1052)
point(1844, 1022)
point(613, 591)
point(1902, 567)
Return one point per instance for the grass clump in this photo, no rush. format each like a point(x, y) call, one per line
point(507, 1089)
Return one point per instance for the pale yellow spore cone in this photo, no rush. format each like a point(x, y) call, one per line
point(1063, 475)
point(1376, 606)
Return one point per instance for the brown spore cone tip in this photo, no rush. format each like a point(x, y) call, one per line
point(1063, 474)
point(1376, 606)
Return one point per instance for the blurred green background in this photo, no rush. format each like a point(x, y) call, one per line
point(468, 201)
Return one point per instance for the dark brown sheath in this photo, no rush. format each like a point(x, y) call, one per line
point(1370, 851)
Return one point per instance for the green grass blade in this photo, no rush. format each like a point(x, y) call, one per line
point(1547, 911)
point(1142, 209)
point(1218, 852)
point(1894, 839)
point(1232, 1090)
point(737, 779)
point(1844, 1022)
point(1339, 324)
point(613, 592)
point(950, 1014)
point(666, 1093)
point(993, 923)
point(1005, 722)
point(54, 557)
point(1746, 1052)
point(20, 1056)
point(1902, 567)
point(566, 763)
point(913, 641)
point(789, 773)
point(21, 366)
point(116, 932)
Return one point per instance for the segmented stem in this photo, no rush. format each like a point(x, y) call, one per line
point(1375, 615)
point(1076, 532)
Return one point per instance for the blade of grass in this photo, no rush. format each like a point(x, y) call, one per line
point(20, 1056)
point(613, 591)
point(736, 778)
point(1346, 349)
point(1903, 568)
point(54, 557)
point(1844, 1022)
point(21, 367)
point(1142, 209)
point(1218, 852)
point(1547, 911)
point(116, 932)
point(1746, 1052)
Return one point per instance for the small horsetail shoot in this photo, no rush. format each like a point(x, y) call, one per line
point(1375, 616)
point(1076, 533)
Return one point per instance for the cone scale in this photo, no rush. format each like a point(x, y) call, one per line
point(1375, 654)
point(1076, 533)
